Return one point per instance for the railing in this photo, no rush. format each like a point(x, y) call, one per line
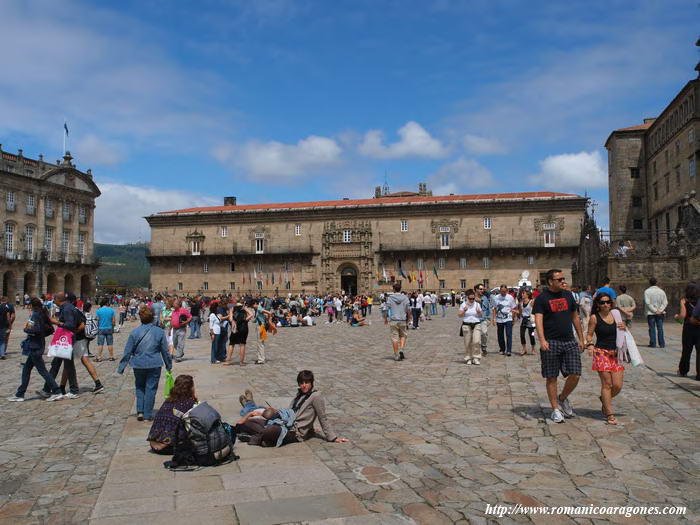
point(232, 251)
point(476, 244)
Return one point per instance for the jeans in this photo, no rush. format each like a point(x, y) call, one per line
point(505, 337)
point(218, 347)
point(444, 309)
point(369, 309)
point(179, 335)
point(194, 327)
point(690, 338)
point(214, 348)
point(3, 341)
point(433, 308)
point(249, 407)
point(416, 316)
point(146, 386)
point(35, 359)
point(260, 344)
point(656, 324)
point(70, 370)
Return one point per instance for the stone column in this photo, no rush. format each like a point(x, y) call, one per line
point(75, 228)
point(90, 237)
point(58, 213)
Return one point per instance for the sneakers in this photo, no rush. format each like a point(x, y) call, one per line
point(70, 395)
point(396, 357)
point(401, 356)
point(15, 399)
point(567, 408)
point(43, 394)
point(259, 362)
point(468, 360)
point(557, 416)
point(476, 361)
point(99, 387)
point(54, 397)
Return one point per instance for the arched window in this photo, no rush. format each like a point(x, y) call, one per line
point(9, 238)
point(29, 230)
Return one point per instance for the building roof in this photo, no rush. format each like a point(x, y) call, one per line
point(641, 127)
point(384, 201)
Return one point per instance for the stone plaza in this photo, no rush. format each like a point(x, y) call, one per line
point(432, 440)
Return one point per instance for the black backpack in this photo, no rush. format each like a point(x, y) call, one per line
point(206, 440)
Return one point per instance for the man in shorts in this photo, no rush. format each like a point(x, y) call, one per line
point(555, 312)
point(398, 310)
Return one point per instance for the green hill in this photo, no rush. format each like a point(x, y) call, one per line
point(123, 264)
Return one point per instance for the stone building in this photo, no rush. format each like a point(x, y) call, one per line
point(432, 242)
point(47, 226)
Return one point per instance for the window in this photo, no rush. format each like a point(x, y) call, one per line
point(441, 283)
point(48, 239)
point(444, 241)
point(259, 245)
point(10, 200)
point(691, 167)
point(486, 284)
point(231, 285)
point(31, 204)
point(9, 238)
point(656, 191)
point(286, 266)
point(259, 283)
point(549, 239)
point(288, 285)
point(441, 263)
point(179, 267)
point(259, 235)
point(462, 263)
point(404, 225)
point(530, 260)
point(678, 175)
point(638, 224)
point(29, 238)
point(81, 244)
point(636, 202)
point(444, 229)
point(667, 183)
point(668, 225)
point(634, 173)
point(82, 214)
point(205, 285)
point(656, 227)
point(487, 223)
point(224, 232)
point(691, 136)
point(678, 147)
point(196, 247)
point(462, 283)
point(231, 267)
point(67, 211)
point(549, 226)
point(65, 242)
point(205, 267)
point(179, 287)
point(297, 230)
point(258, 267)
point(347, 235)
point(486, 263)
point(419, 263)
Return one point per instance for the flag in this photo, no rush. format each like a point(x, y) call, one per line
point(401, 272)
point(421, 276)
point(65, 126)
point(435, 272)
point(273, 277)
point(384, 273)
point(255, 274)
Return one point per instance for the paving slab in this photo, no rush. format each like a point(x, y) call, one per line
point(305, 508)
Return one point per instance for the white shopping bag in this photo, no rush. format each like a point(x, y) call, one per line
point(632, 350)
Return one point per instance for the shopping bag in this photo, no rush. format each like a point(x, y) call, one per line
point(169, 383)
point(61, 344)
point(632, 350)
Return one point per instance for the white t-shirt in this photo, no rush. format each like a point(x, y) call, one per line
point(309, 320)
point(504, 307)
point(214, 324)
point(472, 313)
point(419, 301)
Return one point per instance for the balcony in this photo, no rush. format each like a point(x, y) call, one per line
point(233, 251)
point(476, 244)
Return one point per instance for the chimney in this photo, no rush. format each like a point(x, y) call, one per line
point(229, 201)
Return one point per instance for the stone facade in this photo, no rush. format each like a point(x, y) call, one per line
point(363, 245)
point(47, 216)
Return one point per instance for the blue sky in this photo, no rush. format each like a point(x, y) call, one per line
point(175, 104)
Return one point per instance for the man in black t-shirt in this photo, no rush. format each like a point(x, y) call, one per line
point(7, 318)
point(555, 311)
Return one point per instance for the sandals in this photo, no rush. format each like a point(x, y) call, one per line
point(611, 420)
point(98, 360)
point(112, 359)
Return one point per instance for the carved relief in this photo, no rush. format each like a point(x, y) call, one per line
point(435, 225)
point(549, 219)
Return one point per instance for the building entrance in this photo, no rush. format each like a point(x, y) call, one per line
point(348, 281)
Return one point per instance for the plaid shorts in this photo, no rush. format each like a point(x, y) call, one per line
point(563, 356)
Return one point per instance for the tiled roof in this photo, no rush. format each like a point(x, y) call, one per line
point(537, 195)
point(647, 125)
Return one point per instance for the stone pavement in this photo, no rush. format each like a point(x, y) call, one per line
point(433, 440)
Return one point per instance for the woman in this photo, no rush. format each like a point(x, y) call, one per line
point(166, 316)
point(182, 397)
point(146, 351)
point(471, 314)
point(416, 307)
point(526, 322)
point(37, 328)
point(691, 331)
point(238, 317)
point(357, 319)
point(214, 330)
point(122, 312)
point(602, 323)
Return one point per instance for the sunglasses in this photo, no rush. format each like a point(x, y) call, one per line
point(560, 279)
point(604, 302)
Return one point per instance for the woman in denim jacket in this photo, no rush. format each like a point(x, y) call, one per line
point(146, 350)
point(36, 329)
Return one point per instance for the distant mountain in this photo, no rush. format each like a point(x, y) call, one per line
point(123, 264)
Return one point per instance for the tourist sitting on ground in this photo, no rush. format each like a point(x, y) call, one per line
point(307, 320)
point(357, 319)
point(182, 397)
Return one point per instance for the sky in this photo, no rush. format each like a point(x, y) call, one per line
point(176, 104)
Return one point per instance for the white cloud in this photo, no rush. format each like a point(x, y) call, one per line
point(276, 159)
point(414, 141)
point(482, 146)
point(568, 171)
point(120, 210)
point(94, 151)
point(461, 176)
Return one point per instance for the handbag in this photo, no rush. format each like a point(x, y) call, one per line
point(61, 344)
point(632, 350)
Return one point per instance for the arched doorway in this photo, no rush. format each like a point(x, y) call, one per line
point(8, 285)
point(69, 283)
point(85, 287)
point(348, 280)
point(29, 281)
point(51, 283)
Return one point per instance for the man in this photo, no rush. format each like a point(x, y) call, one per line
point(585, 306)
point(502, 309)
point(106, 319)
point(555, 311)
point(179, 321)
point(655, 303)
point(260, 319)
point(195, 311)
point(443, 305)
point(158, 307)
point(7, 318)
point(427, 305)
point(71, 319)
point(626, 305)
point(398, 315)
point(605, 288)
point(483, 299)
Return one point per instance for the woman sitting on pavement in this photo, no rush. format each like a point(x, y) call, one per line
point(357, 319)
point(182, 397)
point(146, 351)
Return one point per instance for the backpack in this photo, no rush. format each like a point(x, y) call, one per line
point(206, 440)
point(91, 327)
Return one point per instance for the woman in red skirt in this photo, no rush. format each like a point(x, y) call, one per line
point(604, 351)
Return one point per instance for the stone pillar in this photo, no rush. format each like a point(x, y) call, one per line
point(75, 228)
point(90, 237)
point(39, 241)
point(58, 213)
